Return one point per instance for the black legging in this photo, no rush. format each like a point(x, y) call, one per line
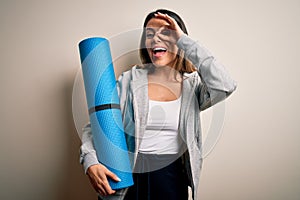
point(166, 183)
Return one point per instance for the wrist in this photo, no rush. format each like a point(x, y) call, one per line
point(89, 160)
point(178, 35)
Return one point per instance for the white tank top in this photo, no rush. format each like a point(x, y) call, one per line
point(161, 134)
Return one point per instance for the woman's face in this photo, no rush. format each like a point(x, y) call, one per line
point(161, 52)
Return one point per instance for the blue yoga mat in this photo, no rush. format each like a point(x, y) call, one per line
point(104, 109)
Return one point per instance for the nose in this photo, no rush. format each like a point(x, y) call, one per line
point(156, 38)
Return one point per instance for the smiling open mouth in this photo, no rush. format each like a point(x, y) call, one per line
point(159, 51)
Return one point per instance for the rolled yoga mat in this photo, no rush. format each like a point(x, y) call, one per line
point(104, 109)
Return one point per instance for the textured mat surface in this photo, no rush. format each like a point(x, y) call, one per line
point(106, 121)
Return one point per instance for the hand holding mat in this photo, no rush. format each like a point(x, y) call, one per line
point(104, 109)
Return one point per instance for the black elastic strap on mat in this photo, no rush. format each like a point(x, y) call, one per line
point(104, 107)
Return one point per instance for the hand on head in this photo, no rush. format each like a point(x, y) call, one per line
point(175, 30)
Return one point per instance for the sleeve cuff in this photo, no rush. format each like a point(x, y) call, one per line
point(89, 160)
point(185, 41)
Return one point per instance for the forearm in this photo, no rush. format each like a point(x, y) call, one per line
point(212, 73)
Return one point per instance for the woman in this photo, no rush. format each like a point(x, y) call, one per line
point(160, 103)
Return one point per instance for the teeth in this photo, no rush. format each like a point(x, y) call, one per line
point(159, 49)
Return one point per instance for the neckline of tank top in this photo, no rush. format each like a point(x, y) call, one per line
point(171, 101)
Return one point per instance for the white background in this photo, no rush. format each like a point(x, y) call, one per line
point(257, 156)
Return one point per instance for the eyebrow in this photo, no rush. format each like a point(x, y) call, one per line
point(152, 29)
point(149, 29)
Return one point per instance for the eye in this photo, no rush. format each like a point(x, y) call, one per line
point(166, 32)
point(149, 35)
